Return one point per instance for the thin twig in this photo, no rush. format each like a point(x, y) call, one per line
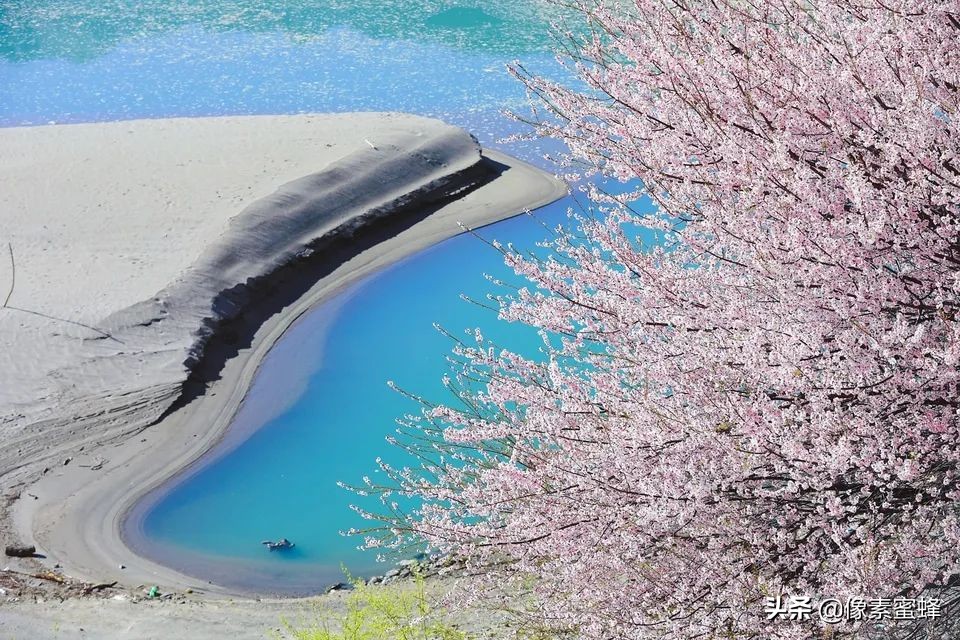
point(13, 284)
point(13, 276)
point(73, 322)
point(98, 587)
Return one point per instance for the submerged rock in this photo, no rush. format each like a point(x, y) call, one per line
point(279, 545)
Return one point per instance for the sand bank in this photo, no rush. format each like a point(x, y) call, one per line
point(119, 617)
point(157, 258)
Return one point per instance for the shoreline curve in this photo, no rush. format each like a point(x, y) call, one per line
point(77, 518)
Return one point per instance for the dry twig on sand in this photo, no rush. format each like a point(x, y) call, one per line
point(13, 284)
point(13, 276)
point(98, 587)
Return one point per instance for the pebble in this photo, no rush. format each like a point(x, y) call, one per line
point(340, 586)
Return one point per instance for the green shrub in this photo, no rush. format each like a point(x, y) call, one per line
point(395, 612)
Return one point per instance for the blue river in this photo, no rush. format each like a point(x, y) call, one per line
point(320, 408)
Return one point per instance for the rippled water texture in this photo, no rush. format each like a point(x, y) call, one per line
point(320, 401)
point(73, 61)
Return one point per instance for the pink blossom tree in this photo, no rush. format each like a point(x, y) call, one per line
point(767, 402)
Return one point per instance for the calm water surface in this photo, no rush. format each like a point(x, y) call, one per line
point(320, 407)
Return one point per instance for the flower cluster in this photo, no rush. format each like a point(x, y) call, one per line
point(768, 401)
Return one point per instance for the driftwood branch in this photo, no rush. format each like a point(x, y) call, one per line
point(13, 276)
point(73, 322)
point(50, 576)
point(98, 587)
point(13, 284)
point(17, 551)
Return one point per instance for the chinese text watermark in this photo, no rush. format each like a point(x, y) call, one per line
point(854, 609)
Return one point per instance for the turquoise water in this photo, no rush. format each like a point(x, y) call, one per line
point(88, 60)
point(334, 364)
point(320, 407)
